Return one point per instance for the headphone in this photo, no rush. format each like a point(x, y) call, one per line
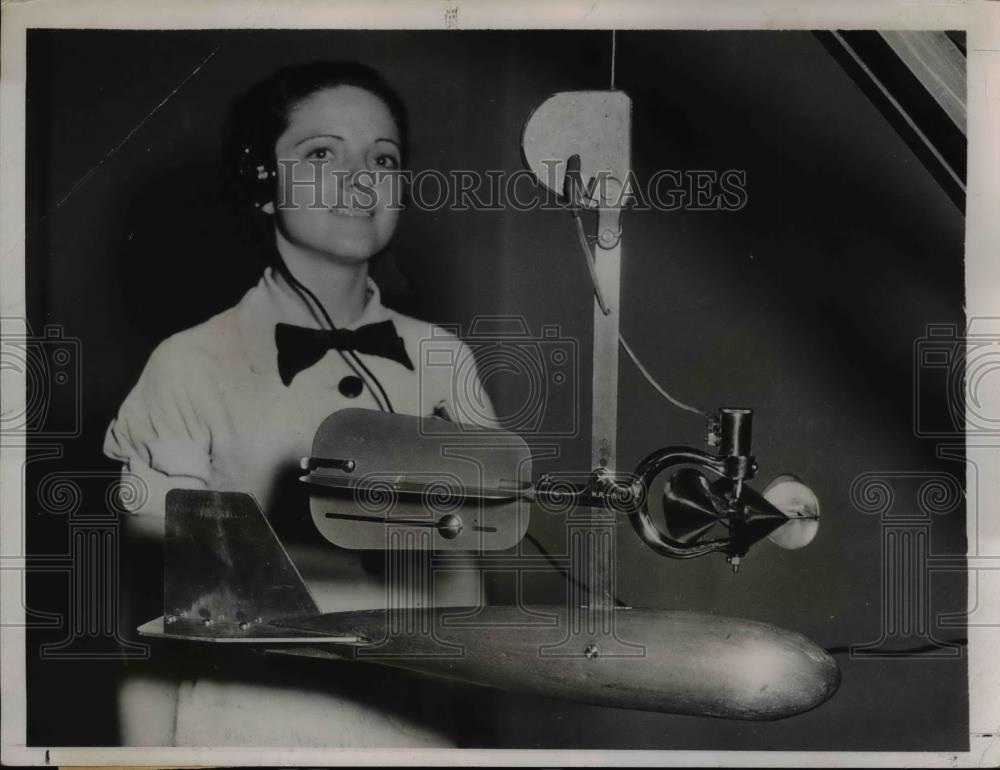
point(258, 174)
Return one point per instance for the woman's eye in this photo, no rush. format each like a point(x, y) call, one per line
point(320, 153)
point(386, 161)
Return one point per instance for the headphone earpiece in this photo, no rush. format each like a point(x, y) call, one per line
point(258, 175)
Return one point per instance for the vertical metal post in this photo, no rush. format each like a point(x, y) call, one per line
point(615, 134)
point(594, 128)
point(604, 412)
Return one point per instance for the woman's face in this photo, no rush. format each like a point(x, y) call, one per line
point(338, 145)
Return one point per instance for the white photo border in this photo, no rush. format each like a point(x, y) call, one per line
point(979, 18)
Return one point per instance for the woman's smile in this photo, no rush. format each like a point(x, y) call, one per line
point(351, 212)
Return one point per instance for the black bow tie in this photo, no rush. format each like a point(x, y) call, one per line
point(300, 347)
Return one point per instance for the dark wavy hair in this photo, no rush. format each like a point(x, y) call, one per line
point(258, 117)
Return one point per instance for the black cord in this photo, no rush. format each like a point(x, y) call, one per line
point(375, 379)
point(302, 290)
point(962, 642)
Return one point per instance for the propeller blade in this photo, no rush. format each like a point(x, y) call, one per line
point(795, 499)
point(691, 506)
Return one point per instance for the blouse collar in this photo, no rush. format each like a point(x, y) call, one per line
point(273, 301)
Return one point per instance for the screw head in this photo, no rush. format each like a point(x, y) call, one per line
point(591, 651)
point(608, 237)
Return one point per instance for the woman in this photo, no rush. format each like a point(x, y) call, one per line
point(233, 404)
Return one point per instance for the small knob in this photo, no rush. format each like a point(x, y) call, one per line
point(450, 526)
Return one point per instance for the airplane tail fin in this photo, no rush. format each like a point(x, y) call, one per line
point(224, 567)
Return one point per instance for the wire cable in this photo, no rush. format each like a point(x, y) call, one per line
point(349, 356)
point(656, 386)
point(589, 258)
point(924, 648)
point(312, 303)
point(613, 57)
point(353, 354)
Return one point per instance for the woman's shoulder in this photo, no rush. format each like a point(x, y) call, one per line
point(212, 342)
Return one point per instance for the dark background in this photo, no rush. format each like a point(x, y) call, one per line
point(805, 305)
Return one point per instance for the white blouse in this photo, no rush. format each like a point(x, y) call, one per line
point(210, 411)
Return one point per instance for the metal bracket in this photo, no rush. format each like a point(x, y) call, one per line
point(595, 127)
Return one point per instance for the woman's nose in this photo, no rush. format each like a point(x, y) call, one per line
point(354, 163)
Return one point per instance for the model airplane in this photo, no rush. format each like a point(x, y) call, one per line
point(382, 481)
point(230, 581)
